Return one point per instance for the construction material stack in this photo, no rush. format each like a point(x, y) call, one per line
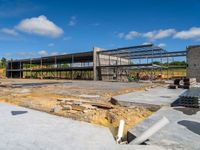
point(189, 82)
point(185, 83)
point(191, 98)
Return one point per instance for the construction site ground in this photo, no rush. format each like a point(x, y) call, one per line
point(182, 133)
point(87, 101)
point(27, 129)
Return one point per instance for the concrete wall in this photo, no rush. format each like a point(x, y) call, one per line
point(106, 60)
point(95, 63)
point(109, 73)
point(193, 60)
point(113, 73)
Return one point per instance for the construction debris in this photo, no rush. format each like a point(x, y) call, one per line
point(89, 96)
point(56, 109)
point(81, 104)
point(67, 107)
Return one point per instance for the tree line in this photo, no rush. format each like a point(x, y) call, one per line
point(3, 62)
point(174, 63)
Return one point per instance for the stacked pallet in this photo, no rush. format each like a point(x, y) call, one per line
point(176, 84)
point(189, 82)
point(191, 98)
point(185, 83)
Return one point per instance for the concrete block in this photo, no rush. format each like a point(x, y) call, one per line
point(67, 107)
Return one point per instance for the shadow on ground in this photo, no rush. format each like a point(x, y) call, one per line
point(193, 126)
point(18, 112)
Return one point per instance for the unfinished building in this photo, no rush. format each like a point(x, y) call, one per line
point(193, 56)
point(99, 64)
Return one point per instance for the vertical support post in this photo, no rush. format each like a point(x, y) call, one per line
point(161, 64)
point(72, 75)
point(167, 67)
point(172, 68)
point(11, 68)
point(30, 68)
point(152, 65)
point(41, 66)
point(20, 66)
point(55, 66)
point(109, 60)
point(117, 69)
point(96, 63)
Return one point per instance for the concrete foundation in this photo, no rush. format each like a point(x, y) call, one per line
point(159, 96)
point(23, 129)
point(181, 133)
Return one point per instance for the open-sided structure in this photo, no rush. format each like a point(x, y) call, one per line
point(113, 65)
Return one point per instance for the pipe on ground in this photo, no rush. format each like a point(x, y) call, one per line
point(152, 130)
point(120, 131)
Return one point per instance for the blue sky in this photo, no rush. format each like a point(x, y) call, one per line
point(47, 27)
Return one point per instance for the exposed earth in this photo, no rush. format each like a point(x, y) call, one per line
point(79, 100)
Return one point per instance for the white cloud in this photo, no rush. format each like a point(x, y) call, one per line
point(51, 45)
point(146, 43)
point(96, 24)
point(9, 31)
point(192, 33)
point(162, 45)
point(151, 35)
point(39, 26)
point(32, 54)
point(42, 53)
point(24, 54)
point(7, 55)
point(54, 53)
point(67, 38)
point(129, 36)
point(120, 35)
point(159, 34)
point(72, 21)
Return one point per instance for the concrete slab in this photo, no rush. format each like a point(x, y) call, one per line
point(183, 132)
point(159, 96)
point(23, 129)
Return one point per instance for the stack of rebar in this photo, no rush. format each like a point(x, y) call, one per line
point(191, 98)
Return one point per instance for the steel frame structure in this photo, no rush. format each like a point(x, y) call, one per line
point(80, 65)
point(147, 52)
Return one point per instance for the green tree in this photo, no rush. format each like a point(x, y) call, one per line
point(178, 63)
point(3, 62)
point(157, 63)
